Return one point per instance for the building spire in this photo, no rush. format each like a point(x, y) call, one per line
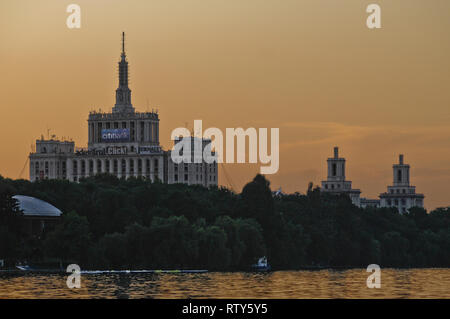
point(123, 93)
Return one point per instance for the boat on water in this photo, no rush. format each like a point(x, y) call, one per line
point(262, 265)
point(24, 267)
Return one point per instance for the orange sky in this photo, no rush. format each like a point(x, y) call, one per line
point(311, 68)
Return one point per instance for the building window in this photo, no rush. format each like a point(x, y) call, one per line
point(399, 175)
point(124, 167)
point(142, 132)
point(333, 167)
point(176, 177)
point(131, 166)
point(185, 177)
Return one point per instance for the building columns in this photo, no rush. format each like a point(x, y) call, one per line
point(69, 169)
point(136, 167)
point(127, 168)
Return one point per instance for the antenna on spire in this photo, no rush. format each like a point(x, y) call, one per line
point(123, 42)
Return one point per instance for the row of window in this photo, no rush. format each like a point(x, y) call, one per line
point(198, 167)
point(403, 191)
point(114, 164)
point(60, 170)
point(212, 178)
point(338, 186)
point(401, 202)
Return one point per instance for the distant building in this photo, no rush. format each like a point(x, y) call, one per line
point(401, 195)
point(336, 182)
point(367, 202)
point(38, 215)
point(194, 173)
point(124, 143)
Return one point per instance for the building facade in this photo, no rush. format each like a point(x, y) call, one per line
point(124, 143)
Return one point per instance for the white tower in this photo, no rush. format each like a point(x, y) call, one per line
point(336, 167)
point(336, 183)
point(401, 194)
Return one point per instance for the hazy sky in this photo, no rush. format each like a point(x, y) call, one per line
point(311, 68)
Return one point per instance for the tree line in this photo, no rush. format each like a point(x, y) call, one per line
point(111, 223)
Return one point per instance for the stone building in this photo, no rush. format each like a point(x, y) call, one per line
point(196, 172)
point(401, 194)
point(336, 182)
point(124, 143)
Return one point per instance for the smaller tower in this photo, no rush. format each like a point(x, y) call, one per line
point(401, 173)
point(401, 194)
point(336, 183)
point(336, 167)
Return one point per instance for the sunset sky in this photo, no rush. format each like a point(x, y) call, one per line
point(309, 67)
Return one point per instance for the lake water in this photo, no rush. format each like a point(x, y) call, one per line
point(395, 283)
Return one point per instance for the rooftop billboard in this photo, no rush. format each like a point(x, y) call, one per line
point(116, 135)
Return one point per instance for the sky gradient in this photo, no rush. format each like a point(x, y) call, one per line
point(311, 68)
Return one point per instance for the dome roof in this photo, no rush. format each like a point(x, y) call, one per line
point(35, 207)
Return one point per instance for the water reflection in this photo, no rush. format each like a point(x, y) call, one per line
point(395, 283)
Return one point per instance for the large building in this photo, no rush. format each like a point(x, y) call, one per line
point(400, 195)
point(124, 143)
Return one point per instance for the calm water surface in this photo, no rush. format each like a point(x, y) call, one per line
point(395, 283)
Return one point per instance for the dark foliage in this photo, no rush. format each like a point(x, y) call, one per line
point(113, 223)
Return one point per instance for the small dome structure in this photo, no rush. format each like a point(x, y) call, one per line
point(35, 207)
